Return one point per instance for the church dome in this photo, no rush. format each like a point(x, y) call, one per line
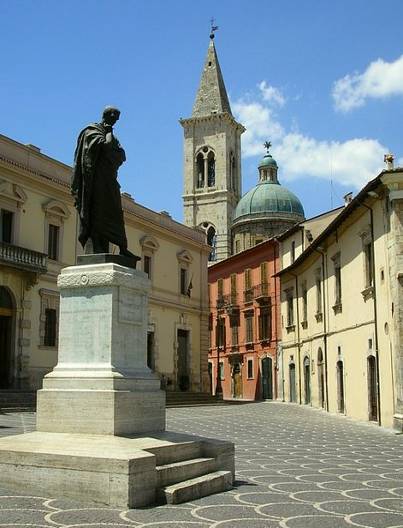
point(269, 197)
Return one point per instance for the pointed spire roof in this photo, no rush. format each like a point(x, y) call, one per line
point(212, 96)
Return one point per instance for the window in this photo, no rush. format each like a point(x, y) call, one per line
point(290, 307)
point(368, 264)
point(318, 284)
point(50, 327)
point(248, 284)
point(337, 277)
point(221, 370)
point(200, 170)
point(249, 327)
point(265, 324)
point(210, 329)
point(234, 336)
point(184, 281)
point(250, 368)
point(220, 288)
point(237, 246)
point(53, 242)
point(6, 220)
point(220, 332)
point(292, 251)
point(212, 242)
point(263, 272)
point(211, 169)
point(147, 265)
point(233, 288)
point(304, 302)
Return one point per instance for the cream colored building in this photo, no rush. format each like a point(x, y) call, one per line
point(342, 307)
point(38, 237)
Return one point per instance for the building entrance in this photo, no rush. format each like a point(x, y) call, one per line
point(321, 379)
point(183, 380)
point(7, 315)
point(237, 381)
point(340, 386)
point(307, 381)
point(372, 392)
point(293, 390)
point(267, 378)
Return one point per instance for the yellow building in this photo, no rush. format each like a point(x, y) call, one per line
point(38, 229)
point(342, 307)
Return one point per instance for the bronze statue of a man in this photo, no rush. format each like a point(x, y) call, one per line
point(95, 188)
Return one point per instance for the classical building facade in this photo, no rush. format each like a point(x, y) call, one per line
point(244, 321)
point(39, 237)
point(212, 160)
point(341, 307)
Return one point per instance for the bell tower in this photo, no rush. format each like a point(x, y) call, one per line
point(212, 160)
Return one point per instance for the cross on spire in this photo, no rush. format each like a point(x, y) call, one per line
point(213, 28)
point(267, 145)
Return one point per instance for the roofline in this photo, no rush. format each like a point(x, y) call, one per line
point(354, 204)
point(241, 254)
point(295, 227)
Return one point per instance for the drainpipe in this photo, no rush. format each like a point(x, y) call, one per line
point(276, 327)
point(298, 339)
point(324, 312)
point(378, 389)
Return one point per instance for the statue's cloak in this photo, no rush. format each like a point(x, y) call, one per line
point(95, 187)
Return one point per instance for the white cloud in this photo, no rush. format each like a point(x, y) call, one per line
point(271, 94)
point(352, 162)
point(260, 124)
point(380, 80)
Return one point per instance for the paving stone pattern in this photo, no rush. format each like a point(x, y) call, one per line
point(296, 468)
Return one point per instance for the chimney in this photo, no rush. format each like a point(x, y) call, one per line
point(348, 198)
point(388, 159)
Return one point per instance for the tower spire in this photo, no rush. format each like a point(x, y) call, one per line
point(211, 97)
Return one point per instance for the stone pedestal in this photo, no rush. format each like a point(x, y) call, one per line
point(101, 384)
point(101, 414)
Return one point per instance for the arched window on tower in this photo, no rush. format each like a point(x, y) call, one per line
point(211, 169)
point(200, 170)
point(212, 241)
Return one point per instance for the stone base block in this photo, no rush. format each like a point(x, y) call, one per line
point(111, 470)
point(114, 412)
point(398, 422)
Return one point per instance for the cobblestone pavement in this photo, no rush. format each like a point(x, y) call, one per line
point(296, 468)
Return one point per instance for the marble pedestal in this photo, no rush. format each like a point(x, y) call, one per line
point(101, 384)
point(101, 414)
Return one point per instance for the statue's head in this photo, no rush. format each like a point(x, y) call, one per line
point(110, 115)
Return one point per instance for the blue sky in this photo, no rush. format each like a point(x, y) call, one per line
point(322, 79)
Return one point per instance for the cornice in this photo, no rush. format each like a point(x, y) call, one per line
point(212, 117)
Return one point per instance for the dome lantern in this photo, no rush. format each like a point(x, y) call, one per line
point(268, 166)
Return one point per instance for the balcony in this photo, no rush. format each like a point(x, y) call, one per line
point(229, 302)
point(261, 293)
point(22, 258)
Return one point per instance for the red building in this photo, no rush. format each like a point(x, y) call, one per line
point(244, 323)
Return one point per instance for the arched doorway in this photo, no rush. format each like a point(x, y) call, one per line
point(267, 378)
point(307, 380)
point(372, 386)
point(321, 379)
point(340, 386)
point(293, 389)
point(7, 313)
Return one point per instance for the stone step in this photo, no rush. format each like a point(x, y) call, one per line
point(196, 488)
point(187, 469)
point(15, 399)
point(181, 451)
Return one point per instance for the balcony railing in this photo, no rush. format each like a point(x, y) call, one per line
point(23, 258)
point(224, 301)
point(260, 293)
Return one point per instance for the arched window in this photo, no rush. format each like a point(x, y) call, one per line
point(200, 170)
point(212, 241)
point(211, 169)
